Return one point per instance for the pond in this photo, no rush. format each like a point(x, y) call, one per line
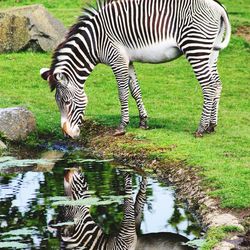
point(36, 214)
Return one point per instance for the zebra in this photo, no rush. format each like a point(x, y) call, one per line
point(120, 32)
point(84, 233)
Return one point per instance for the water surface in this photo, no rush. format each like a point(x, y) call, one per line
point(28, 191)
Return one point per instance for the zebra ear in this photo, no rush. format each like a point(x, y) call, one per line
point(47, 76)
point(52, 82)
point(45, 73)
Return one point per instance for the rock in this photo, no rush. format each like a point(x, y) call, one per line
point(217, 220)
point(16, 123)
point(29, 28)
point(14, 34)
point(224, 246)
point(2, 146)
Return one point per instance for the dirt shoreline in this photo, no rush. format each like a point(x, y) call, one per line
point(186, 179)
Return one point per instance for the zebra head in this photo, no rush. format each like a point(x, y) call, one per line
point(71, 100)
point(75, 184)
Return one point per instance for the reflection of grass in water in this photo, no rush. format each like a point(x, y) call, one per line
point(12, 162)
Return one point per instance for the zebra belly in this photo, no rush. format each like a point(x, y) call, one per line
point(156, 53)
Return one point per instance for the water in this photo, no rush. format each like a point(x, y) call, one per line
point(29, 191)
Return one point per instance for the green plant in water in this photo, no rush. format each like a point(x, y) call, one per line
point(198, 243)
point(13, 245)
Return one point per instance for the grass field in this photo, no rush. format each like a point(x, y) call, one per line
point(172, 97)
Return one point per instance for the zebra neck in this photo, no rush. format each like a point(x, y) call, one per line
point(86, 232)
point(76, 56)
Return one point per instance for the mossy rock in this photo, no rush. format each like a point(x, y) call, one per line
point(14, 32)
point(16, 123)
point(29, 28)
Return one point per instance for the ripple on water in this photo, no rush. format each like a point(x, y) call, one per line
point(30, 190)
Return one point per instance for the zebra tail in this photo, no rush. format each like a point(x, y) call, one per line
point(226, 23)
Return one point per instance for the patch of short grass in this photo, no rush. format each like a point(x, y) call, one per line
point(21, 85)
point(213, 237)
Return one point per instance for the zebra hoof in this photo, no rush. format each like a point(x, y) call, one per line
point(211, 128)
point(198, 134)
point(143, 123)
point(119, 132)
point(144, 126)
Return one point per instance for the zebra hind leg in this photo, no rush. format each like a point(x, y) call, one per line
point(136, 94)
point(208, 84)
point(214, 113)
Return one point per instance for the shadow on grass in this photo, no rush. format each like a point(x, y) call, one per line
point(179, 124)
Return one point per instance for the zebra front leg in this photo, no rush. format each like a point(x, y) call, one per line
point(140, 201)
point(127, 238)
point(122, 79)
point(136, 94)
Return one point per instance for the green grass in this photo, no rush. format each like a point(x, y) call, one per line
point(216, 234)
point(172, 97)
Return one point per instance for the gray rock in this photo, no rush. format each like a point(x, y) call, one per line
point(2, 146)
point(16, 123)
point(14, 34)
point(224, 246)
point(29, 28)
point(217, 219)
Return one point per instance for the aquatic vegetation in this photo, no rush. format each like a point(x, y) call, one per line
point(8, 162)
point(91, 201)
point(13, 244)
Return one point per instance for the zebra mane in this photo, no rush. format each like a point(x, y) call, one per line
point(218, 2)
point(88, 13)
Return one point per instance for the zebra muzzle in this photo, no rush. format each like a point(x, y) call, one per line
point(68, 132)
point(65, 130)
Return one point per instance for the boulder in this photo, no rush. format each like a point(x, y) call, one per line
point(14, 34)
point(16, 123)
point(29, 28)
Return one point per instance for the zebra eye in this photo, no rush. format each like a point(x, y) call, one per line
point(67, 102)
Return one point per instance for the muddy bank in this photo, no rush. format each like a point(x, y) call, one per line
point(186, 179)
point(244, 32)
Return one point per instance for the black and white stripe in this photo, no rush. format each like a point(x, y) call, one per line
point(120, 32)
point(85, 233)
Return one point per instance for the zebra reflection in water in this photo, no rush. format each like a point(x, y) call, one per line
point(84, 233)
